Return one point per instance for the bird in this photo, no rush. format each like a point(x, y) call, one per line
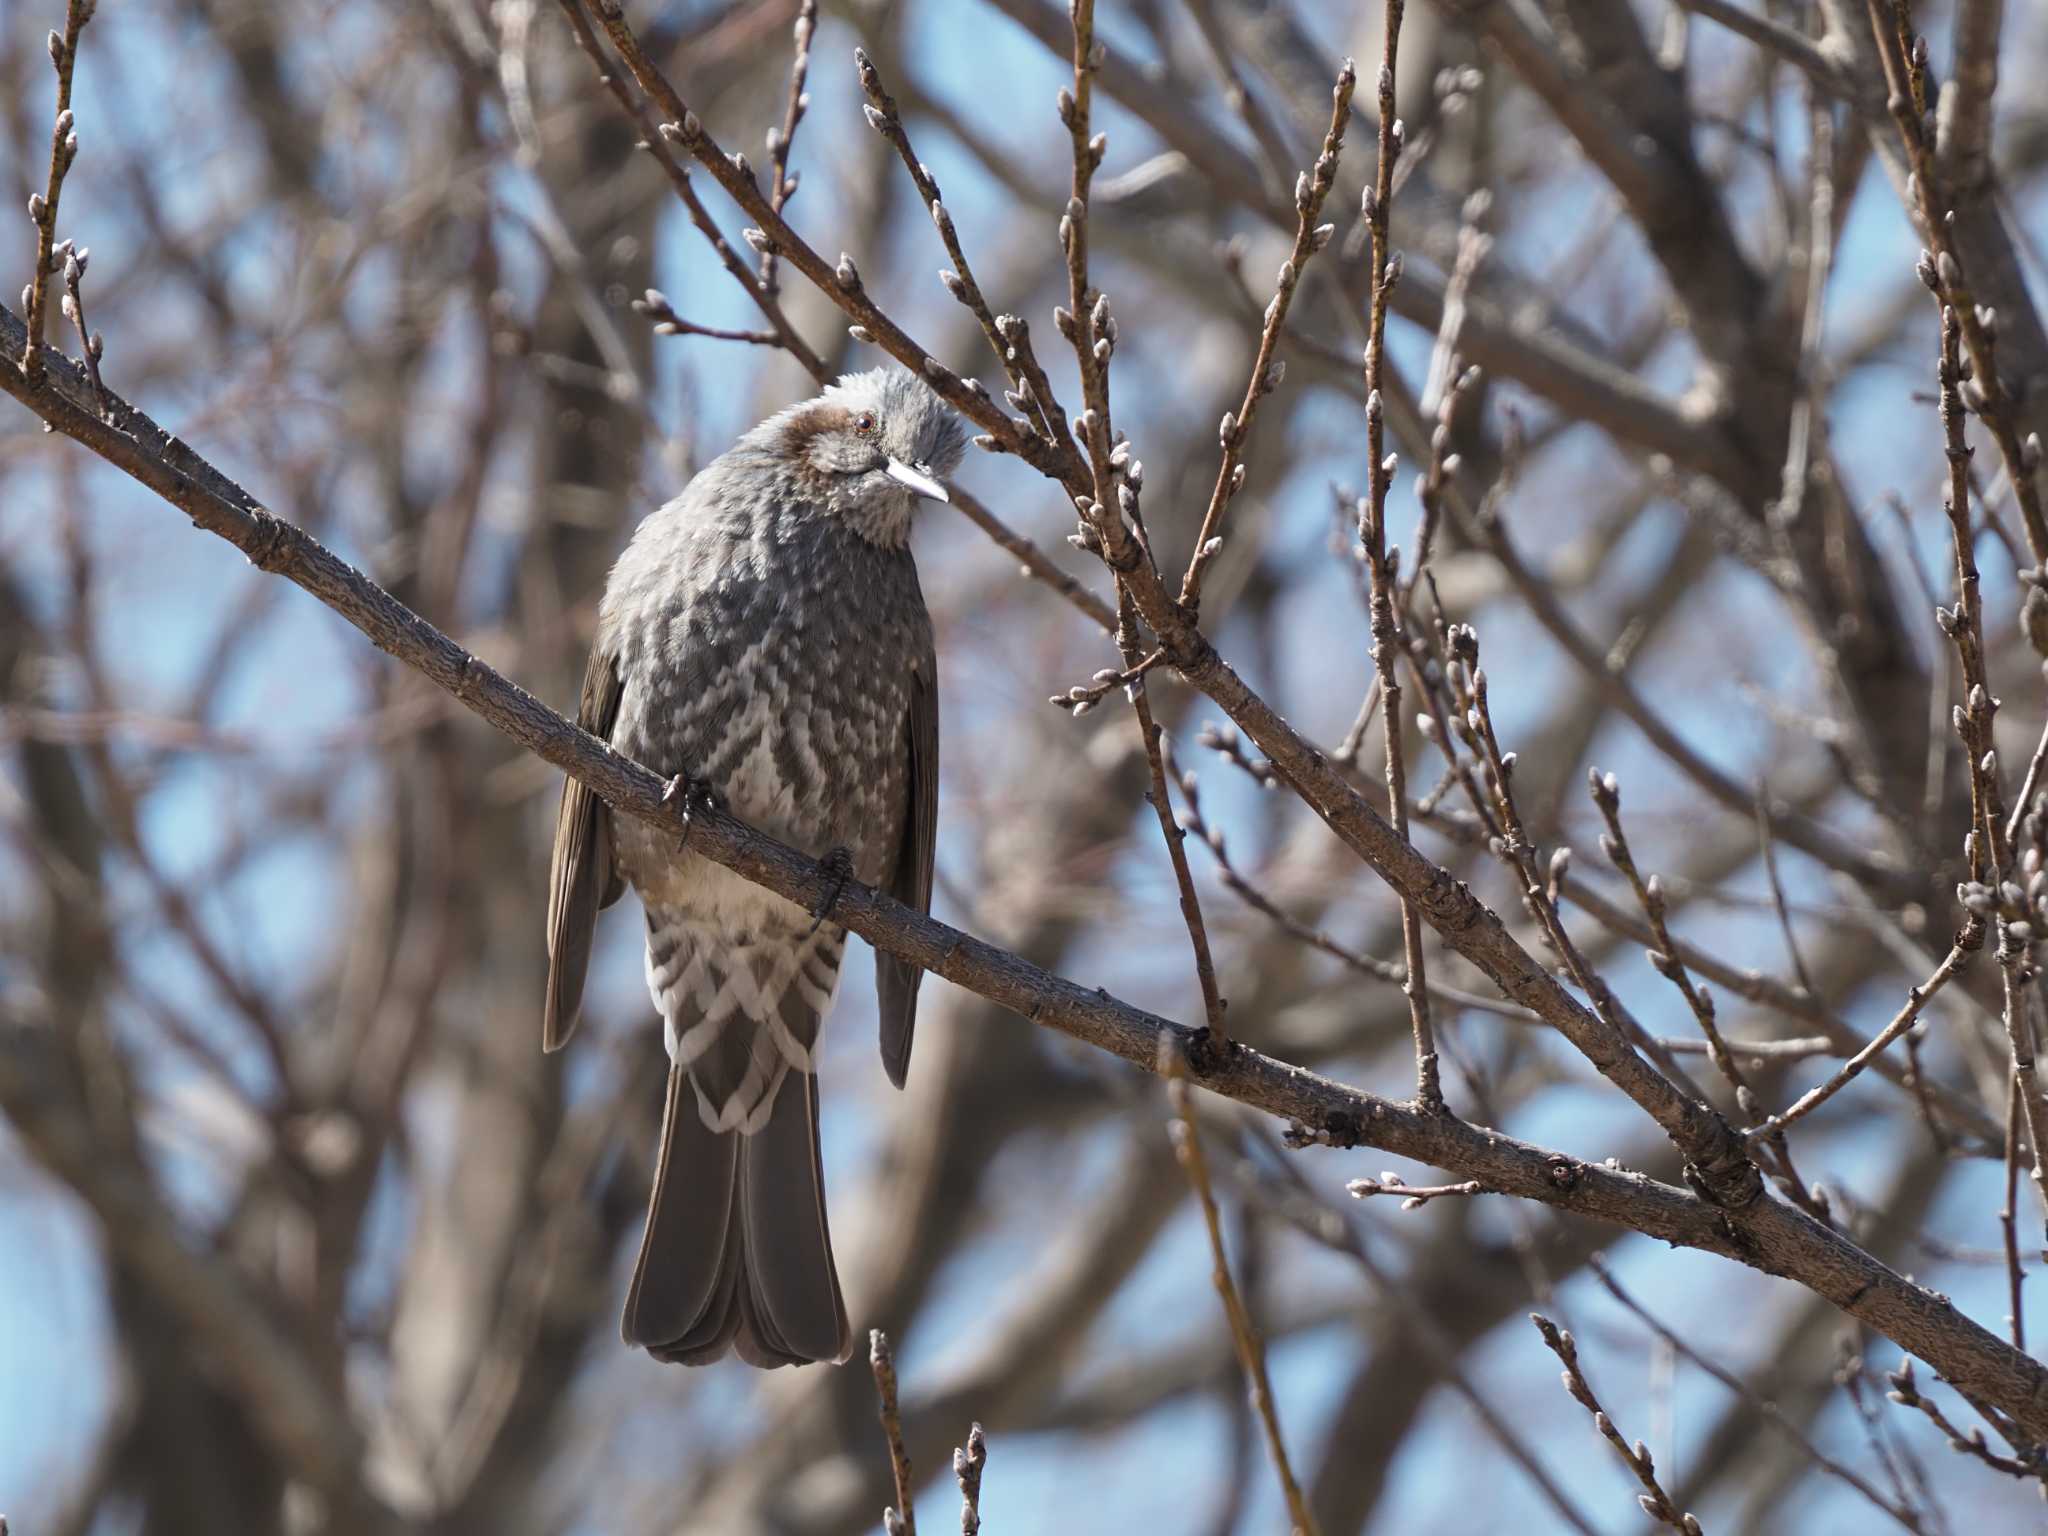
point(764, 644)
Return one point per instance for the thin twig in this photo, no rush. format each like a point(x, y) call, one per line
point(1605, 789)
point(1612, 1054)
point(654, 304)
point(1252, 896)
point(1796, 1048)
point(657, 145)
point(91, 346)
point(1251, 1353)
point(1923, 1099)
point(42, 206)
point(1311, 189)
point(2029, 787)
point(1811, 837)
point(1758, 1403)
point(2008, 1217)
point(900, 1519)
point(1664, 958)
point(968, 1462)
point(1381, 564)
point(1354, 734)
point(1941, 268)
point(1413, 1197)
point(1445, 722)
point(1082, 697)
point(1449, 382)
point(1917, 998)
point(1010, 339)
point(1089, 326)
point(1989, 894)
point(1279, 1188)
point(782, 185)
point(1768, 846)
point(1031, 560)
point(1655, 1501)
point(1228, 745)
point(1900, 1465)
point(1170, 829)
point(1768, 992)
point(1905, 1392)
point(1082, 325)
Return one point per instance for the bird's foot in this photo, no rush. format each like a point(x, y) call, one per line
point(697, 798)
point(839, 865)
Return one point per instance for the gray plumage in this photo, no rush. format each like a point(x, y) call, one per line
point(764, 632)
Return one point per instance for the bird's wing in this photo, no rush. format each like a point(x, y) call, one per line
point(910, 882)
point(581, 880)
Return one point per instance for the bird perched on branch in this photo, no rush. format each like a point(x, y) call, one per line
point(764, 642)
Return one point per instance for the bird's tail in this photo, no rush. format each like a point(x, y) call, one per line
point(737, 1254)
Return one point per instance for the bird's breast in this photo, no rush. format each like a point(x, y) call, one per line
point(785, 686)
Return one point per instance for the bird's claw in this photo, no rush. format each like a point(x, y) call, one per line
point(697, 798)
point(839, 865)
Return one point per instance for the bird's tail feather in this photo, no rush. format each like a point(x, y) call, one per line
point(737, 1253)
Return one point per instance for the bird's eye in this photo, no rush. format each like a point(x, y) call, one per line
point(865, 424)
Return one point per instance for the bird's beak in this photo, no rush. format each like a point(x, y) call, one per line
point(918, 478)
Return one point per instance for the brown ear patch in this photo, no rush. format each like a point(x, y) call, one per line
point(811, 423)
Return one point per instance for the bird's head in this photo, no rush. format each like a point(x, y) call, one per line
point(868, 447)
